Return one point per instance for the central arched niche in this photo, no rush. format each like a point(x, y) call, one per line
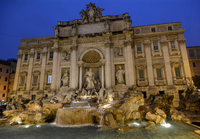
point(91, 57)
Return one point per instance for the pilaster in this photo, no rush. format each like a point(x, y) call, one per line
point(55, 64)
point(167, 62)
point(73, 66)
point(131, 64)
point(17, 70)
point(184, 55)
point(30, 68)
point(108, 72)
point(43, 68)
point(149, 63)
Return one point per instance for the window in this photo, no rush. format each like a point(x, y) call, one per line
point(177, 72)
point(9, 90)
point(26, 57)
point(0, 77)
point(7, 70)
point(153, 29)
point(155, 45)
point(51, 55)
point(145, 94)
point(38, 55)
point(139, 47)
point(172, 44)
point(10, 76)
point(49, 78)
point(4, 88)
point(39, 41)
point(198, 53)
point(194, 64)
point(159, 73)
point(141, 73)
point(0, 69)
point(169, 27)
point(6, 79)
point(137, 31)
point(35, 79)
point(22, 81)
point(191, 53)
point(3, 95)
point(33, 97)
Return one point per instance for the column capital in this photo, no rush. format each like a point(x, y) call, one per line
point(164, 43)
point(182, 41)
point(108, 44)
point(74, 47)
point(128, 42)
point(19, 55)
point(57, 49)
point(44, 53)
point(146, 45)
point(102, 61)
point(31, 54)
point(79, 63)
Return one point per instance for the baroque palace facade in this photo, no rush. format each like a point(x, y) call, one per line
point(151, 59)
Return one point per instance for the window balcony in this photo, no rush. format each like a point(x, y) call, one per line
point(139, 54)
point(21, 87)
point(174, 51)
point(179, 80)
point(34, 86)
point(156, 53)
point(160, 81)
point(25, 63)
point(37, 62)
point(47, 86)
point(142, 82)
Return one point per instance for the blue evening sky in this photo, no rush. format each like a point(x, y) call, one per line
point(22, 19)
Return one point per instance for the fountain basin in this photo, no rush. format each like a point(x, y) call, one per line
point(75, 116)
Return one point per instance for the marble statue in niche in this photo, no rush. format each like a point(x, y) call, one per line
point(120, 75)
point(118, 51)
point(90, 81)
point(65, 78)
point(66, 55)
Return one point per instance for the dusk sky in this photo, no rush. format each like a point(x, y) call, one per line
point(23, 19)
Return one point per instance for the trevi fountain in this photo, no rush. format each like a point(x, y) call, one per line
point(96, 111)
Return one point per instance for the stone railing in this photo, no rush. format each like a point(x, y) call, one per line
point(160, 81)
point(142, 82)
point(21, 87)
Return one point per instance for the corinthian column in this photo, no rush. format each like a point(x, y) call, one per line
point(131, 67)
point(108, 65)
point(167, 63)
point(55, 69)
point(30, 68)
point(73, 67)
point(149, 64)
point(19, 60)
point(43, 67)
point(184, 55)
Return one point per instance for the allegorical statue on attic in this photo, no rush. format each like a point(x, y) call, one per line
point(91, 14)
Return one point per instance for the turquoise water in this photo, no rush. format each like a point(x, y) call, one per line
point(177, 130)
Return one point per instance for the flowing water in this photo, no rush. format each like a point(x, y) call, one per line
point(177, 130)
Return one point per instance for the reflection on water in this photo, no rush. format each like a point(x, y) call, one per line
point(177, 130)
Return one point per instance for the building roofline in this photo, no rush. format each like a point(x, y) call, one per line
point(159, 24)
point(193, 47)
point(42, 38)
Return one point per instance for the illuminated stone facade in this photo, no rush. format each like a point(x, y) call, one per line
point(153, 57)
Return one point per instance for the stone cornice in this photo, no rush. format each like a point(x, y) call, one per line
point(158, 33)
point(35, 46)
point(37, 39)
